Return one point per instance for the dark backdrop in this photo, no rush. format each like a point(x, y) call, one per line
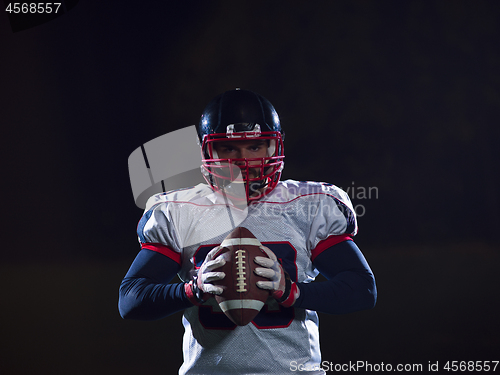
point(396, 102)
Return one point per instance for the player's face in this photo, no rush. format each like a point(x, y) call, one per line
point(243, 153)
point(243, 149)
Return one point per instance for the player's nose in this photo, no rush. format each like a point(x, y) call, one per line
point(245, 154)
point(241, 154)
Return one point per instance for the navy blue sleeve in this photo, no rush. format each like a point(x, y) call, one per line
point(350, 284)
point(145, 292)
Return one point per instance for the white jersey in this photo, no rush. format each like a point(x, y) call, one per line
point(297, 220)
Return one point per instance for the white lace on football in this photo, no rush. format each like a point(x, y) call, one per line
point(240, 268)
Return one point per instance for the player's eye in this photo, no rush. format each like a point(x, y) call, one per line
point(255, 147)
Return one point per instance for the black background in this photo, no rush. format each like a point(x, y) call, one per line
point(400, 97)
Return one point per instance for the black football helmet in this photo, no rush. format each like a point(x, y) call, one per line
point(241, 115)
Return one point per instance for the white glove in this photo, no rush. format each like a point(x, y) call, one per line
point(205, 275)
point(201, 288)
point(282, 288)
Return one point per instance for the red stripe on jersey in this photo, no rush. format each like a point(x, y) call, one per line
point(162, 249)
point(327, 243)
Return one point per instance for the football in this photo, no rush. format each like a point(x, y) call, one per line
point(241, 299)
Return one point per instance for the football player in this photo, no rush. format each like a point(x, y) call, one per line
point(306, 227)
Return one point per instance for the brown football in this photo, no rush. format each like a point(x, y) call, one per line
point(241, 299)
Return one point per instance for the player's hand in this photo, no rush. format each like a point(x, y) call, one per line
point(282, 288)
point(201, 288)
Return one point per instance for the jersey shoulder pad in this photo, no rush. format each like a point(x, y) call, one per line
point(156, 224)
point(334, 211)
point(181, 195)
point(289, 190)
point(303, 188)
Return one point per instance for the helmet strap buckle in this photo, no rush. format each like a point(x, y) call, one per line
point(231, 133)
